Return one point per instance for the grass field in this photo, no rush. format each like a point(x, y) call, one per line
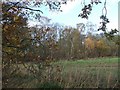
point(89, 73)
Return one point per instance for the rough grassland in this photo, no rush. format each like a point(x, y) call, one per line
point(99, 72)
point(89, 73)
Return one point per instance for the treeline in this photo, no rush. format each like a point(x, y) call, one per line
point(69, 43)
point(54, 43)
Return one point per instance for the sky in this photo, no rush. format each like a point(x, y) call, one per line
point(70, 13)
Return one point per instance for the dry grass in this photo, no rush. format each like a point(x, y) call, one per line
point(70, 74)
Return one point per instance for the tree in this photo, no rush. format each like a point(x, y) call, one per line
point(15, 36)
point(90, 46)
point(77, 44)
point(102, 48)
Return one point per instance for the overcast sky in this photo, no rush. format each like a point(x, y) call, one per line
point(69, 16)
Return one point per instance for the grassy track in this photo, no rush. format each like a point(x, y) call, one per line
point(94, 61)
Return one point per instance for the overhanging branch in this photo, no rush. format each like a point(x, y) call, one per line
point(30, 9)
point(16, 5)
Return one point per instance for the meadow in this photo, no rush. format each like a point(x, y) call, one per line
point(86, 73)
